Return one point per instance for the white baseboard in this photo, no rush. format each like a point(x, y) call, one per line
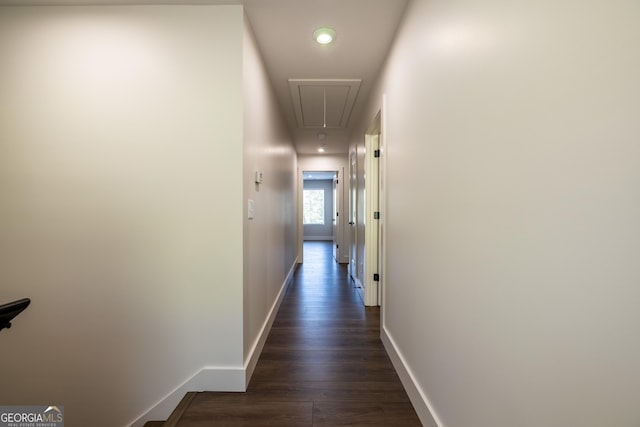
point(256, 349)
point(227, 379)
point(418, 398)
point(357, 283)
point(207, 379)
point(359, 288)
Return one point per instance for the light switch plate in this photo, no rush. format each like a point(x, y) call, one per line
point(250, 209)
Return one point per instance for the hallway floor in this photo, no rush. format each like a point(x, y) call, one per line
point(323, 363)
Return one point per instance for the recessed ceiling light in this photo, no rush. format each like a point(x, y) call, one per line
point(324, 35)
point(321, 150)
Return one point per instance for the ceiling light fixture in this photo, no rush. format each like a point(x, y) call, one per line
point(321, 149)
point(324, 35)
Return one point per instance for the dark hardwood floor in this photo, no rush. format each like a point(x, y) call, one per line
point(323, 363)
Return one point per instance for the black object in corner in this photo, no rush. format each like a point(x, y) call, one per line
point(10, 310)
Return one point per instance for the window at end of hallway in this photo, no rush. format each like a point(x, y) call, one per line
point(313, 207)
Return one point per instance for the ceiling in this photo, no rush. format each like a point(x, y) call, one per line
point(284, 29)
point(339, 75)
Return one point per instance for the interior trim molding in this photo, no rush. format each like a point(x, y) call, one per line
point(258, 345)
point(206, 379)
point(229, 379)
point(418, 398)
point(337, 94)
point(357, 284)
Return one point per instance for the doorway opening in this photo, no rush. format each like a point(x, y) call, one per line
point(321, 208)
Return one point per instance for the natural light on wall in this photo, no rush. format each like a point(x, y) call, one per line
point(313, 207)
point(93, 60)
point(456, 37)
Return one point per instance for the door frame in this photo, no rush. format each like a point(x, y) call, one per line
point(336, 208)
point(335, 215)
point(353, 218)
point(373, 238)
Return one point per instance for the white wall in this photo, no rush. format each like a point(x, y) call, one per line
point(327, 163)
point(511, 285)
point(270, 239)
point(121, 204)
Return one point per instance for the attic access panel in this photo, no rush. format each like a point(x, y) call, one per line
point(320, 102)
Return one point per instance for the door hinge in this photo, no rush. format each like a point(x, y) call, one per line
point(376, 153)
point(376, 277)
point(337, 181)
point(337, 246)
point(376, 215)
point(337, 213)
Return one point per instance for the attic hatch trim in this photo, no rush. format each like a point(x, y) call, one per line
point(340, 104)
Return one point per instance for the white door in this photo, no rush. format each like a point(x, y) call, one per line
point(335, 219)
point(372, 216)
point(353, 215)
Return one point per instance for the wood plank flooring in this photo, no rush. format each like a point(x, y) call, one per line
point(323, 363)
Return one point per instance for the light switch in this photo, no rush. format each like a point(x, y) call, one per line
point(250, 211)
